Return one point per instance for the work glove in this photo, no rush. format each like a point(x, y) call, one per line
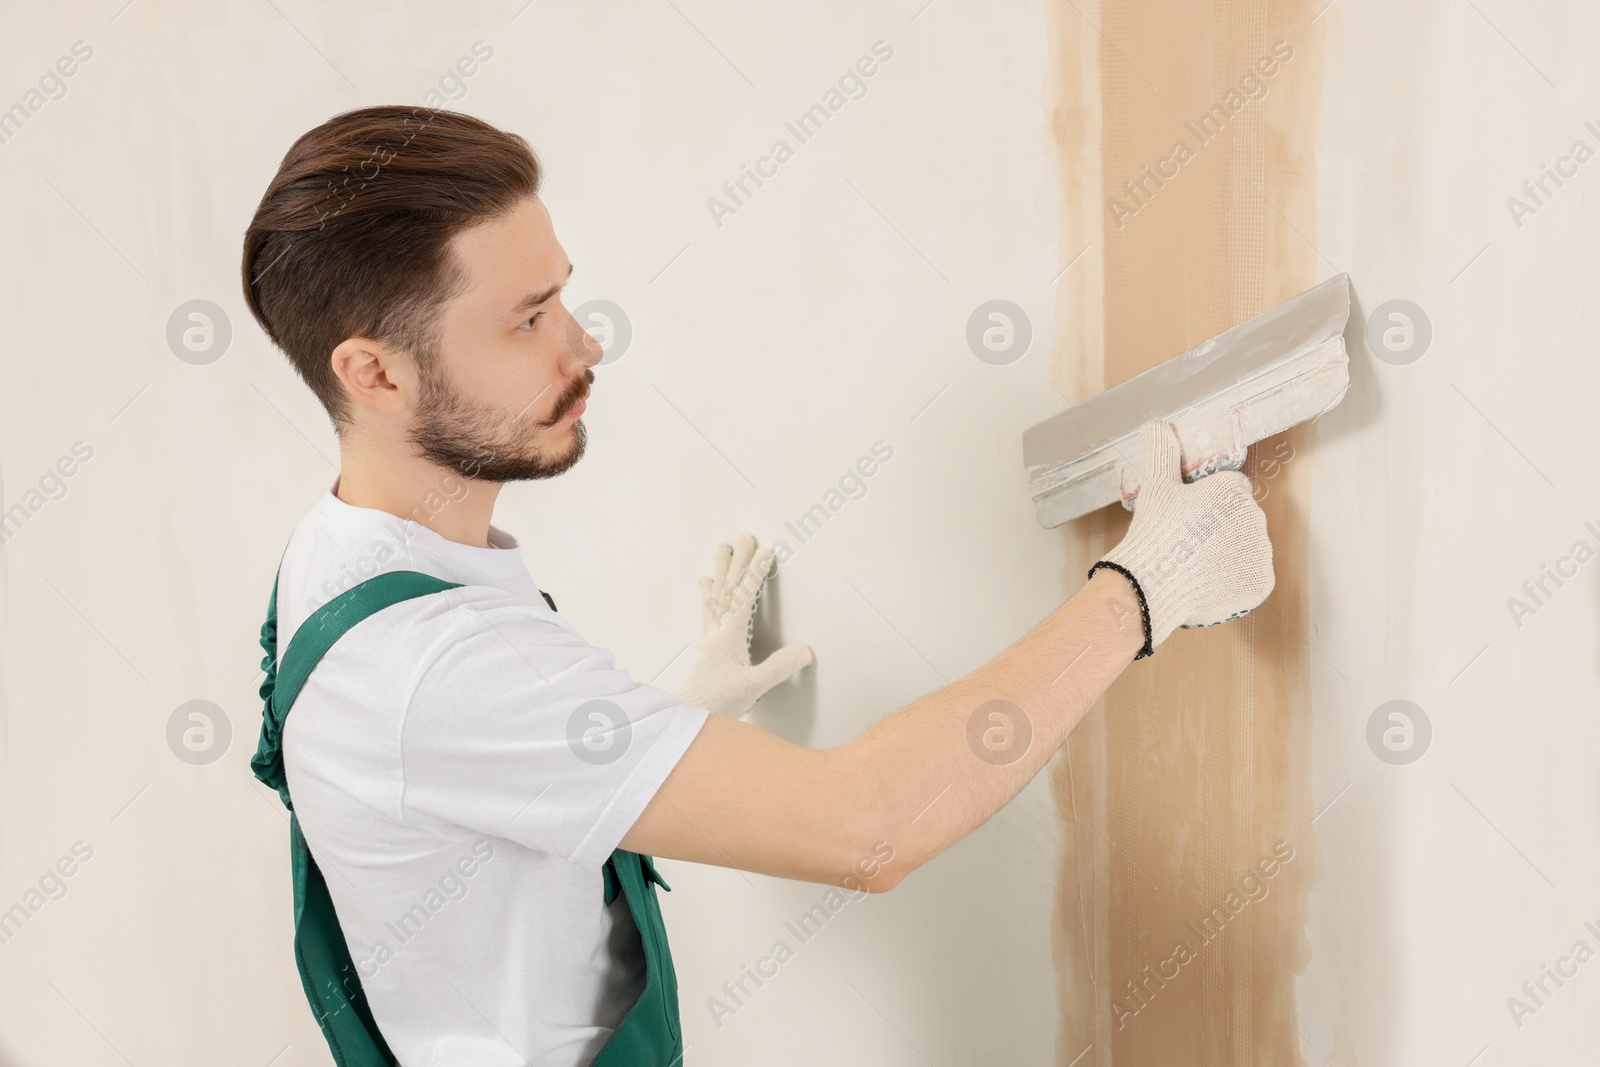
point(1197, 554)
point(722, 679)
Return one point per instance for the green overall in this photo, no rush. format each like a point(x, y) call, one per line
point(649, 1035)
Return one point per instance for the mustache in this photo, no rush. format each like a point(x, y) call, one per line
point(580, 389)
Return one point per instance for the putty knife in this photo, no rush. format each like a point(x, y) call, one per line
point(1265, 375)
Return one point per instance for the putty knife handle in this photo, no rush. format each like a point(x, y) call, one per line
point(1230, 457)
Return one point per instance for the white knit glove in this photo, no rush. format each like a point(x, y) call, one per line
point(1198, 554)
point(722, 679)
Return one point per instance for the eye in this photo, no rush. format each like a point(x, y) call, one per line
point(527, 326)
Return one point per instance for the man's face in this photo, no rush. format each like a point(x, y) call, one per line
point(501, 401)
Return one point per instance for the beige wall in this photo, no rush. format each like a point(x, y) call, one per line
point(826, 314)
point(1424, 893)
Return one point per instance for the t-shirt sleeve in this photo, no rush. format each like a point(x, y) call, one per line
point(519, 728)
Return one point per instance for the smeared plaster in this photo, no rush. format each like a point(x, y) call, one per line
point(1185, 135)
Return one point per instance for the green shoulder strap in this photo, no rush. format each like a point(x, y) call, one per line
point(327, 973)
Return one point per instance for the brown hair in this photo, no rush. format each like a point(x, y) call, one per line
point(352, 236)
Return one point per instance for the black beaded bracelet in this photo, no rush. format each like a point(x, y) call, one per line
point(1144, 607)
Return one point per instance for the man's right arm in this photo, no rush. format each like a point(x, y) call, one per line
point(921, 779)
point(917, 781)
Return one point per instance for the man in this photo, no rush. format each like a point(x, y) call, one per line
point(477, 790)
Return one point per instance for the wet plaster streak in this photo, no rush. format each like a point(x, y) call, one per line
point(1185, 135)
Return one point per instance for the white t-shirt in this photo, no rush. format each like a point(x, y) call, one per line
point(458, 802)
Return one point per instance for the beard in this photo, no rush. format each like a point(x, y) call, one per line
point(488, 443)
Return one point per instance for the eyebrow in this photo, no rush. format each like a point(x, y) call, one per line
point(533, 300)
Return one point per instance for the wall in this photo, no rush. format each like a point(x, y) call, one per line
point(1441, 857)
point(1449, 482)
point(769, 353)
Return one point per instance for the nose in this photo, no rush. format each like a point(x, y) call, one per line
point(582, 343)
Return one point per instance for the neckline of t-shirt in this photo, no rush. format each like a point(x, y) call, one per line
point(503, 556)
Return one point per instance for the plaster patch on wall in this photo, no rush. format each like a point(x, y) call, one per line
point(1186, 139)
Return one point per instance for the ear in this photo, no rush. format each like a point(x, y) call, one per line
point(376, 376)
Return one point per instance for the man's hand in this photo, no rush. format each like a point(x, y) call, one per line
point(1198, 553)
point(723, 680)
